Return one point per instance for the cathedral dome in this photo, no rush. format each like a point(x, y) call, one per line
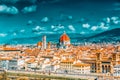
point(64, 38)
point(39, 44)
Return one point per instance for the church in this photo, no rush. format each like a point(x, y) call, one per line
point(64, 41)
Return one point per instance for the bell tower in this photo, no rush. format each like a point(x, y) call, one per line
point(44, 42)
point(98, 63)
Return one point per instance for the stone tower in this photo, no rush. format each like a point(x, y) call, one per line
point(44, 46)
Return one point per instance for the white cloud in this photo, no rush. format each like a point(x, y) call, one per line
point(8, 10)
point(57, 27)
point(46, 32)
point(114, 18)
point(3, 7)
point(86, 25)
point(108, 20)
point(3, 34)
point(22, 30)
point(71, 27)
point(70, 17)
point(29, 9)
point(38, 28)
point(103, 26)
point(94, 28)
point(82, 32)
point(116, 22)
point(14, 34)
point(52, 26)
point(30, 22)
point(60, 26)
point(45, 19)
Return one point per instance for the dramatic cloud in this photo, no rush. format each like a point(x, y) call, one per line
point(57, 27)
point(14, 34)
point(29, 9)
point(8, 10)
point(45, 19)
point(107, 20)
point(114, 18)
point(52, 26)
point(70, 17)
point(94, 28)
point(44, 32)
point(103, 26)
point(38, 28)
point(82, 32)
point(3, 34)
point(86, 25)
point(22, 30)
point(71, 27)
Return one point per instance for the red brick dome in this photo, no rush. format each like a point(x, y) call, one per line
point(64, 37)
point(39, 44)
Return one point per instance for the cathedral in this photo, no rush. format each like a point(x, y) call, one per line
point(64, 41)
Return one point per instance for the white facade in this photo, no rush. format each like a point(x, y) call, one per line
point(82, 70)
point(116, 70)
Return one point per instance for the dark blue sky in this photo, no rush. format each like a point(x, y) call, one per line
point(29, 18)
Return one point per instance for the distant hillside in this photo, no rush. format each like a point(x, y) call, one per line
point(50, 37)
point(107, 36)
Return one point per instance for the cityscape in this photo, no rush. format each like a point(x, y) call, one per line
point(63, 58)
point(59, 40)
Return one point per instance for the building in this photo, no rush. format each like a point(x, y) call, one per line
point(102, 63)
point(9, 57)
point(81, 68)
point(44, 45)
point(39, 45)
point(66, 65)
point(64, 40)
point(116, 70)
point(13, 64)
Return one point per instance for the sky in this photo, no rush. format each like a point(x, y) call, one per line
point(30, 18)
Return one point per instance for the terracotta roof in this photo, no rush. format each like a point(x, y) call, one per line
point(39, 44)
point(5, 58)
point(67, 60)
point(9, 48)
point(79, 64)
point(64, 37)
point(30, 60)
